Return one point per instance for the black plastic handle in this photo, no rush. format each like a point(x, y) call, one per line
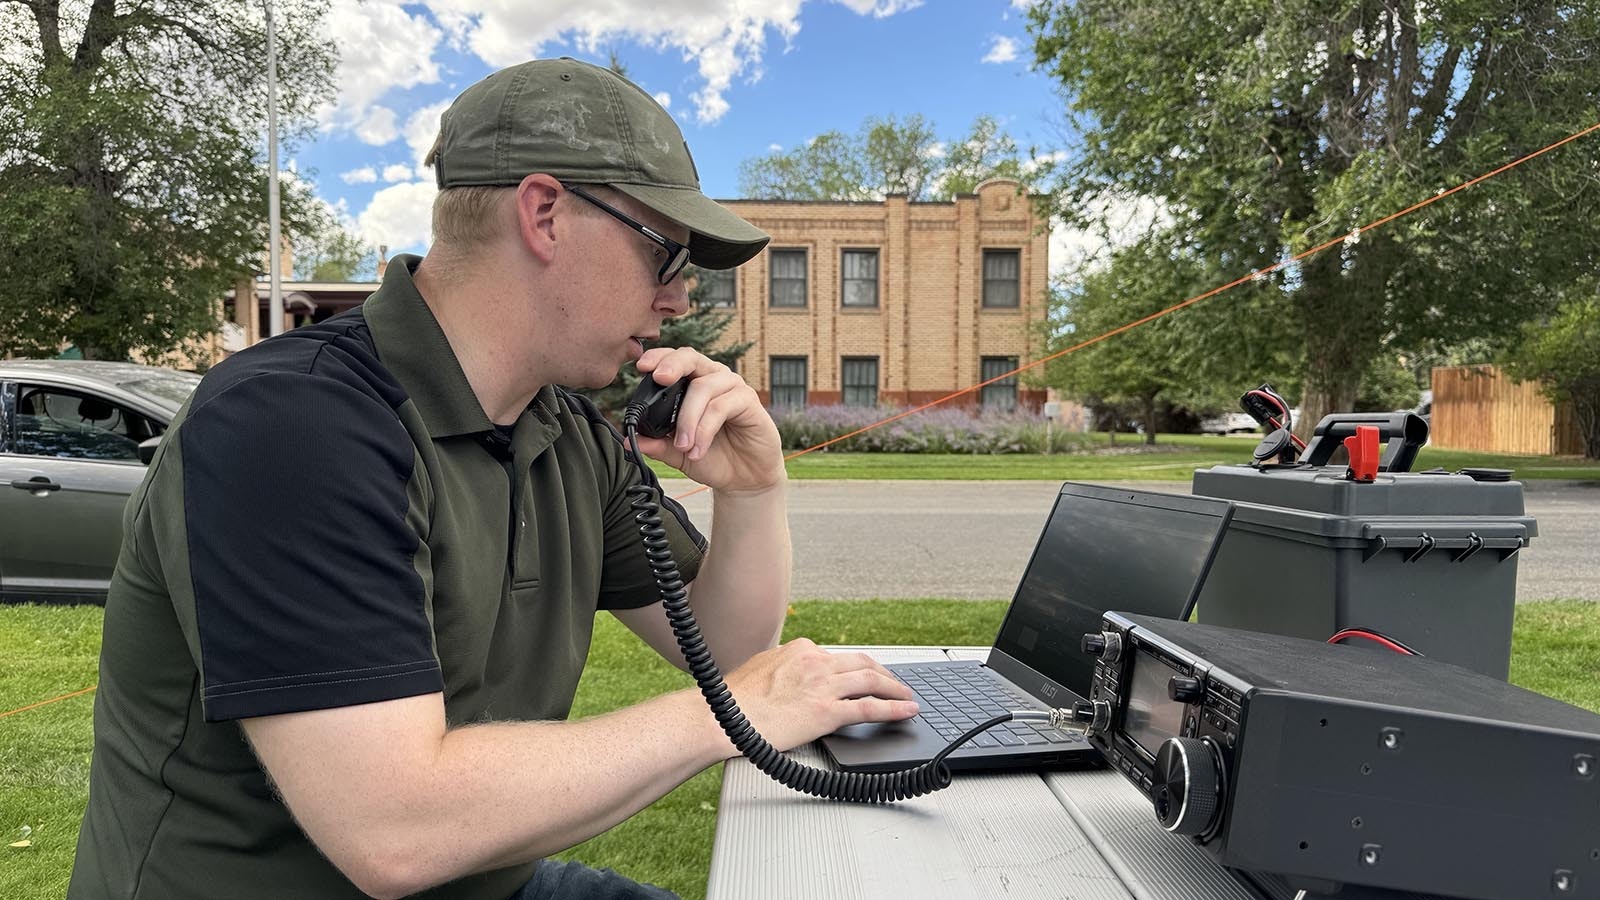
point(1404, 432)
point(36, 483)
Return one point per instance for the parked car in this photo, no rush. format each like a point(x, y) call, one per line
point(75, 437)
point(1228, 423)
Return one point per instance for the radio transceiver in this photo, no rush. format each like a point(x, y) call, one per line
point(1331, 765)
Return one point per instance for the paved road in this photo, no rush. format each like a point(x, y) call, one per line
point(857, 539)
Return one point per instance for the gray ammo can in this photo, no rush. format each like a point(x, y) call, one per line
point(1427, 558)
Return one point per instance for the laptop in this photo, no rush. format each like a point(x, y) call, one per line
point(1101, 549)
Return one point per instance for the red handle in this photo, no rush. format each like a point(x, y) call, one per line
point(1363, 450)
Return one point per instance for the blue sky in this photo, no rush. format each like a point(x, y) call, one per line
point(740, 76)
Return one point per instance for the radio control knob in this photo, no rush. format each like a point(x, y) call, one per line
point(1186, 689)
point(1188, 786)
point(1107, 646)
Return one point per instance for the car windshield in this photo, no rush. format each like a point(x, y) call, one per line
point(164, 388)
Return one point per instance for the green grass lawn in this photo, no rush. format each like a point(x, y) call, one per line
point(1174, 457)
point(51, 651)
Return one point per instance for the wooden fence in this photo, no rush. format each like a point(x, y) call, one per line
point(1481, 408)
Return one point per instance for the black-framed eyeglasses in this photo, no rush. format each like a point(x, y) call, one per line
point(677, 254)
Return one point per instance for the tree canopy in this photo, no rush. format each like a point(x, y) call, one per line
point(132, 179)
point(326, 250)
point(887, 156)
point(1171, 360)
point(1266, 127)
point(1560, 352)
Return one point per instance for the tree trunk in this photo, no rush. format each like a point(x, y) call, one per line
point(1331, 386)
point(1586, 407)
point(1149, 420)
point(1341, 305)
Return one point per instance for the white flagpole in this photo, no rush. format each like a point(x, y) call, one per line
point(274, 279)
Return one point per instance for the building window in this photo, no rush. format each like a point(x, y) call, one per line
point(1002, 395)
point(859, 375)
point(714, 288)
point(788, 278)
point(789, 381)
point(859, 270)
point(1002, 279)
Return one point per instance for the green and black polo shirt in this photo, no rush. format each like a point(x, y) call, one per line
point(333, 520)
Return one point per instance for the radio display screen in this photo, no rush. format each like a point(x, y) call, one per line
point(1151, 716)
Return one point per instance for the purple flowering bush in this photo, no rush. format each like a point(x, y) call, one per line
point(937, 430)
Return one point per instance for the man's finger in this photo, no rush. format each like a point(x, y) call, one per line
point(868, 683)
point(877, 709)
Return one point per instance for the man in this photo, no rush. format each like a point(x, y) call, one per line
point(357, 586)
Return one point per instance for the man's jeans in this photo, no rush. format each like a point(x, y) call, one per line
point(556, 880)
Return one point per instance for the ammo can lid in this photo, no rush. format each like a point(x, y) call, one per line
point(1321, 502)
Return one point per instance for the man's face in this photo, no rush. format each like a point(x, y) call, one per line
point(617, 305)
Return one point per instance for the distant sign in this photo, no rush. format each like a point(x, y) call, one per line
point(1052, 410)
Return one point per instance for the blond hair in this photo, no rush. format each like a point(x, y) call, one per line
point(466, 218)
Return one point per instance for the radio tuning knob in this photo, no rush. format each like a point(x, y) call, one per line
point(1185, 689)
point(1107, 645)
point(1188, 786)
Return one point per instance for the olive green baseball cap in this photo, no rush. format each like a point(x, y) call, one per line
point(582, 123)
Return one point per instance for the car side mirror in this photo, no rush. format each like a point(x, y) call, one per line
point(147, 449)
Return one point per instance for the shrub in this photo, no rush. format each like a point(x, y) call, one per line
point(939, 430)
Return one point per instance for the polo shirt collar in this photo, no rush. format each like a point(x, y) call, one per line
point(414, 348)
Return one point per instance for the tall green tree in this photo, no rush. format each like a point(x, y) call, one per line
point(132, 142)
point(1562, 353)
point(1172, 360)
point(329, 251)
point(887, 156)
point(986, 151)
point(1267, 127)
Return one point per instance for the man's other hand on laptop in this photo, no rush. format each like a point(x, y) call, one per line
point(799, 692)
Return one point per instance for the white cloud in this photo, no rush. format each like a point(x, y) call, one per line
point(386, 47)
point(381, 48)
point(1022, 4)
point(1034, 164)
point(1118, 222)
point(399, 216)
point(363, 175)
point(397, 172)
point(880, 9)
point(1003, 50)
point(663, 98)
point(421, 129)
point(775, 148)
point(724, 38)
point(377, 126)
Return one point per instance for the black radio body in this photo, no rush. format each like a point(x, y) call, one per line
point(1332, 765)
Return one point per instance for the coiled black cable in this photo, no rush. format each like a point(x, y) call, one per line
point(859, 787)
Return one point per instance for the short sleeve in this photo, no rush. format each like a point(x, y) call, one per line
point(301, 550)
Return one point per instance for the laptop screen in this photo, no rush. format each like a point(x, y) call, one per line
point(1107, 549)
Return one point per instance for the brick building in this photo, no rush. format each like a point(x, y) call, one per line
point(891, 302)
point(862, 303)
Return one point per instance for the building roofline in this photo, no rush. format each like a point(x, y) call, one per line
point(951, 202)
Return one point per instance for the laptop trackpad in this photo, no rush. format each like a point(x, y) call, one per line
point(887, 738)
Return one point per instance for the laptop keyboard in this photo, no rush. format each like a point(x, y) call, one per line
point(954, 699)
